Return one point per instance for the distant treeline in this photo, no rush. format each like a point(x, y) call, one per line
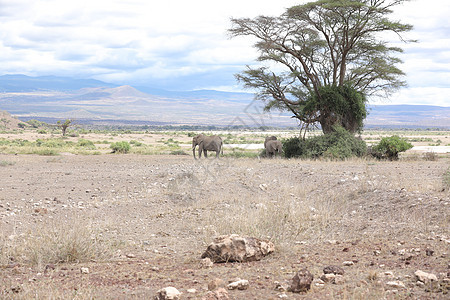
point(140, 125)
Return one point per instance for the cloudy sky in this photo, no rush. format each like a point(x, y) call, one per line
point(183, 45)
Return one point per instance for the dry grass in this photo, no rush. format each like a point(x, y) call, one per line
point(53, 243)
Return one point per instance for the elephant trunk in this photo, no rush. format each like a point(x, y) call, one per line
point(193, 149)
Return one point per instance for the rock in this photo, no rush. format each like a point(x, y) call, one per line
point(348, 263)
point(420, 284)
point(429, 252)
point(240, 285)
point(191, 291)
point(339, 279)
point(333, 270)
point(206, 263)
point(301, 282)
point(167, 293)
point(16, 289)
point(84, 270)
point(319, 282)
point(233, 248)
point(215, 284)
point(332, 278)
point(329, 277)
point(396, 284)
point(425, 277)
point(219, 294)
point(280, 287)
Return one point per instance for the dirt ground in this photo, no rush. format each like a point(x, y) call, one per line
point(157, 214)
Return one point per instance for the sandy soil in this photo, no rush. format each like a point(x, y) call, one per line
point(159, 213)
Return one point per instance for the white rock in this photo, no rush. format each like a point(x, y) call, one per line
point(396, 284)
point(263, 186)
point(425, 277)
point(240, 285)
point(84, 270)
point(348, 263)
point(167, 293)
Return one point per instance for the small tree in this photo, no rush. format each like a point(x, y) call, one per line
point(390, 147)
point(64, 125)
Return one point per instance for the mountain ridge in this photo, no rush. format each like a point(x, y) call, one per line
point(64, 97)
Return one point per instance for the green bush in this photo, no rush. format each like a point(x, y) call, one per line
point(339, 144)
point(120, 147)
point(87, 144)
point(293, 147)
point(136, 143)
point(390, 147)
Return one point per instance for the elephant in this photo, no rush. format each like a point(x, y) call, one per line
point(207, 143)
point(272, 147)
point(269, 138)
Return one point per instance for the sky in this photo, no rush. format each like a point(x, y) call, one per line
point(184, 45)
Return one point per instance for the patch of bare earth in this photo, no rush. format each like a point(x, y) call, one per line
point(136, 224)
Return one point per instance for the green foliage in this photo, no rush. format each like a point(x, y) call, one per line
point(294, 147)
point(178, 152)
point(332, 54)
point(339, 144)
point(237, 153)
point(136, 143)
point(120, 147)
point(390, 147)
point(64, 125)
point(42, 131)
point(87, 144)
point(35, 123)
point(338, 106)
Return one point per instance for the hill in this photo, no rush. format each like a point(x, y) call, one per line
point(89, 101)
point(8, 122)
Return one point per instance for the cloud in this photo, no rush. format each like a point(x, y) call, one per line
point(180, 44)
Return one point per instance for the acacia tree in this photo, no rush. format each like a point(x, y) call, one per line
point(64, 125)
point(331, 58)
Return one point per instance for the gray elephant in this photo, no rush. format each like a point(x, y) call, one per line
point(269, 138)
point(273, 147)
point(207, 143)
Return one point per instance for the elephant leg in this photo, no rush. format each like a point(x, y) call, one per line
point(206, 153)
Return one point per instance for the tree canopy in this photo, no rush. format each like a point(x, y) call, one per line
point(321, 59)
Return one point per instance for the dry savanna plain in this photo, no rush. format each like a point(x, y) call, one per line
point(80, 222)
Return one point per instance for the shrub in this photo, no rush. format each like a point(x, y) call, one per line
point(293, 147)
point(178, 152)
point(339, 144)
point(390, 147)
point(136, 143)
point(120, 147)
point(86, 144)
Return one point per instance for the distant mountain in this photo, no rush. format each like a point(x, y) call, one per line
point(408, 116)
point(89, 101)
